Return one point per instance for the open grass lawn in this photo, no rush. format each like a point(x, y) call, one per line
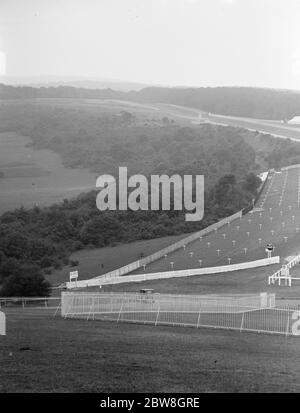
point(237, 282)
point(266, 126)
point(45, 354)
point(91, 261)
point(36, 176)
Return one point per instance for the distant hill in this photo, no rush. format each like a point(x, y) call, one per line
point(232, 101)
point(86, 83)
point(100, 84)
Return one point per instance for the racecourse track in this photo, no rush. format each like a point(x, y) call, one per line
point(275, 219)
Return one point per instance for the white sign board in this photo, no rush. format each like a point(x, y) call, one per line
point(2, 324)
point(73, 275)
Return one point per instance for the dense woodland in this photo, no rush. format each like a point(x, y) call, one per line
point(236, 101)
point(36, 241)
point(102, 140)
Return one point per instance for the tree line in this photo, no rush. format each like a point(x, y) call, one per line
point(252, 102)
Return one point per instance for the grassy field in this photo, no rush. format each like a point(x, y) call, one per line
point(237, 282)
point(43, 354)
point(91, 261)
point(231, 240)
point(36, 176)
point(265, 126)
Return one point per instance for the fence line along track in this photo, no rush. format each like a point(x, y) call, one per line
point(30, 302)
point(248, 313)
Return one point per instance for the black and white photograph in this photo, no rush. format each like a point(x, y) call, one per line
point(149, 200)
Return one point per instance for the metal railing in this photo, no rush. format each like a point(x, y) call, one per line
point(242, 313)
point(173, 274)
point(173, 247)
point(24, 302)
point(283, 274)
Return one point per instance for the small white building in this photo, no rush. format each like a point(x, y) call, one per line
point(202, 117)
point(295, 121)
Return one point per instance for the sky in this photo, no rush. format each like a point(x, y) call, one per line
point(162, 42)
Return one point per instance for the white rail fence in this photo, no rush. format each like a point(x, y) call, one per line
point(173, 247)
point(93, 282)
point(116, 274)
point(73, 303)
point(283, 274)
point(290, 167)
point(243, 313)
